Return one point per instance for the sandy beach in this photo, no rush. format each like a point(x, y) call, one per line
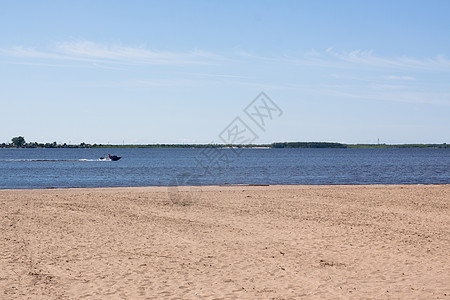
point(241, 242)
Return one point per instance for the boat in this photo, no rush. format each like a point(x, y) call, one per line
point(114, 157)
point(111, 158)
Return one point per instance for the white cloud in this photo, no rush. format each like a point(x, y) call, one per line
point(87, 51)
point(391, 93)
point(363, 70)
point(367, 58)
point(396, 77)
point(385, 87)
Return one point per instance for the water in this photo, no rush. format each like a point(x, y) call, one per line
point(45, 168)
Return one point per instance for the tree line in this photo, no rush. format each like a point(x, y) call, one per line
point(19, 142)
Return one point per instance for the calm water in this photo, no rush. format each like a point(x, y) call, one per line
point(21, 168)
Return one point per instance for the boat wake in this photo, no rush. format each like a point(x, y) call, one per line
point(39, 159)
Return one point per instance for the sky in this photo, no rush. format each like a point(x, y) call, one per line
point(140, 72)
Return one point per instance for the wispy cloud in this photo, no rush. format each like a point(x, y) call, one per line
point(401, 78)
point(87, 51)
point(366, 58)
point(218, 75)
point(387, 93)
point(357, 74)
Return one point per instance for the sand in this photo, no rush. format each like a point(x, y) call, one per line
point(242, 242)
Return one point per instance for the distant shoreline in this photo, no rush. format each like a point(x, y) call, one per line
point(218, 186)
point(304, 145)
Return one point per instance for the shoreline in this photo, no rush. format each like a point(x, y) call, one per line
point(226, 185)
point(276, 145)
point(245, 242)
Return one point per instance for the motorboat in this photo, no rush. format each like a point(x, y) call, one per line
point(114, 157)
point(111, 157)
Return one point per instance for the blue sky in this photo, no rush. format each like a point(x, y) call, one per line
point(181, 71)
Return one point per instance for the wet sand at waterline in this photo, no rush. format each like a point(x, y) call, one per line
point(243, 242)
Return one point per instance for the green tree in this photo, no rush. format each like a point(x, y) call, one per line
point(18, 141)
